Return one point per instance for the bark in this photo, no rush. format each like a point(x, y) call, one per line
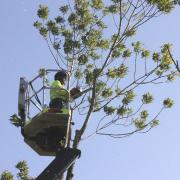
point(70, 173)
point(80, 132)
point(77, 138)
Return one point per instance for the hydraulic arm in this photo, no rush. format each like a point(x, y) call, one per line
point(64, 159)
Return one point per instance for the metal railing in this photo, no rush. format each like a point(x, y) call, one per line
point(32, 93)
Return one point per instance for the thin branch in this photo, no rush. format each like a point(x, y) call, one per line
point(174, 62)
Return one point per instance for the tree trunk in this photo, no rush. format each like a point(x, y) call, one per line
point(70, 173)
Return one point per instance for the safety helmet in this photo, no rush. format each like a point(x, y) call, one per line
point(61, 75)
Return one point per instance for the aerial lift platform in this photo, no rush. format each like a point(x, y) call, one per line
point(47, 133)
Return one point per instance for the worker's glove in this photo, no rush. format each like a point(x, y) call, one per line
point(75, 92)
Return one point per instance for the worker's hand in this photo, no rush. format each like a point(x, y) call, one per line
point(75, 92)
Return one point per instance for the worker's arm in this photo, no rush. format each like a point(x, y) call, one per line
point(77, 92)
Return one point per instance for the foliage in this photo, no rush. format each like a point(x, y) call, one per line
point(109, 62)
point(16, 121)
point(21, 175)
point(163, 5)
point(23, 170)
point(43, 12)
point(6, 175)
point(147, 98)
point(168, 103)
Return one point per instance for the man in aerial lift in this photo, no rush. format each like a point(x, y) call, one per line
point(46, 131)
point(58, 95)
point(59, 98)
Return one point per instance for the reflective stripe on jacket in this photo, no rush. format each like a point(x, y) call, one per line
point(57, 91)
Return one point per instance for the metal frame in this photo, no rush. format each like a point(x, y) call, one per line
point(35, 93)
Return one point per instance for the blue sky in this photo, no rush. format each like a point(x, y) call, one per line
point(151, 156)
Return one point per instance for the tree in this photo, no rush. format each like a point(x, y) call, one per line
point(94, 41)
point(22, 172)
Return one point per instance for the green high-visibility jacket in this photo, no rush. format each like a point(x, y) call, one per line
point(57, 91)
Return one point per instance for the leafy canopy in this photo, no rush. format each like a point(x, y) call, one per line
point(97, 58)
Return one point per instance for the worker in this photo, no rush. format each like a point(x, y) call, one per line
point(59, 98)
point(58, 94)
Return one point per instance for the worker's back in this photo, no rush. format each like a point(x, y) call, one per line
point(57, 91)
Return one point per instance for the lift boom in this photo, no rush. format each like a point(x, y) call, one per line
point(64, 159)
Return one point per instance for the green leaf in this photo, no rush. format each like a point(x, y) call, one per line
point(67, 33)
point(23, 170)
point(121, 71)
point(104, 44)
point(130, 32)
point(97, 4)
point(107, 93)
point(137, 46)
point(42, 72)
point(97, 72)
point(82, 59)
point(144, 114)
point(59, 19)
point(129, 97)
point(170, 77)
point(111, 9)
point(101, 24)
point(72, 18)
point(122, 111)
point(139, 124)
point(116, 53)
point(127, 53)
point(43, 12)
point(6, 175)
point(163, 5)
point(64, 9)
point(94, 55)
point(37, 24)
point(89, 77)
point(111, 73)
point(53, 28)
point(68, 46)
point(100, 85)
point(155, 123)
point(56, 45)
point(109, 110)
point(92, 38)
point(168, 103)
point(43, 31)
point(156, 57)
point(78, 74)
point(145, 53)
point(16, 121)
point(147, 98)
